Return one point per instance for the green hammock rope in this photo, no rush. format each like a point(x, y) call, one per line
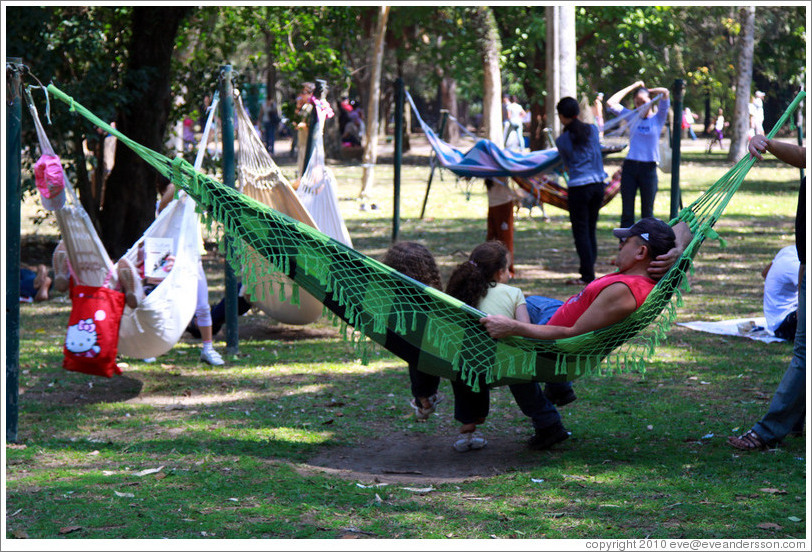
point(420, 324)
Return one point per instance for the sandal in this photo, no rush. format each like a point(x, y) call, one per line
point(576, 282)
point(748, 441)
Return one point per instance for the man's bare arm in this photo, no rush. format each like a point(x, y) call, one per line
point(792, 154)
point(613, 304)
point(664, 262)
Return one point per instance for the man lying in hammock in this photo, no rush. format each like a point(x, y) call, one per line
point(647, 249)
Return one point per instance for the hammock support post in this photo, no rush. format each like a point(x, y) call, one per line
point(399, 101)
point(676, 142)
point(14, 114)
point(800, 125)
point(227, 118)
point(433, 162)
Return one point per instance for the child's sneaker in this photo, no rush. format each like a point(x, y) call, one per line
point(422, 413)
point(210, 356)
point(469, 441)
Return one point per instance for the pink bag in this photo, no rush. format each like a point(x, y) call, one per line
point(50, 181)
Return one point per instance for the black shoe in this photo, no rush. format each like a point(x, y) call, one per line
point(562, 399)
point(548, 437)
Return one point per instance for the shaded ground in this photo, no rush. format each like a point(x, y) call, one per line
point(427, 458)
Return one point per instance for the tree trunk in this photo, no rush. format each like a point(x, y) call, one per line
point(270, 67)
point(744, 78)
point(129, 202)
point(490, 47)
point(448, 95)
point(371, 144)
point(560, 60)
point(537, 119)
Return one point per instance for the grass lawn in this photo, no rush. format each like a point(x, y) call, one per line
point(179, 450)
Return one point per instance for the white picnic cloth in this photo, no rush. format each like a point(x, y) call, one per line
point(731, 327)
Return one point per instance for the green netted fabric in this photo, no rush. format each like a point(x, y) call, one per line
point(420, 324)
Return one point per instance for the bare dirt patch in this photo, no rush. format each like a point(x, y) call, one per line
point(427, 458)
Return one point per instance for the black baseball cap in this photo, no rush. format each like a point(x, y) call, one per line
point(658, 235)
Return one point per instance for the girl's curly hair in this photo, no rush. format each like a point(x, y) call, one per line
point(415, 261)
point(471, 279)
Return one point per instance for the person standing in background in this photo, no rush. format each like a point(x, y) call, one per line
point(640, 165)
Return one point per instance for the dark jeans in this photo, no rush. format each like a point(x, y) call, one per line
point(786, 330)
point(472, 408)
point(270, 136)
point(423, 385)
point(218, 312)
point(584, 204)
point(637, 175)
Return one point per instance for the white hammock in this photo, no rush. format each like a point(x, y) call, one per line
point(152, 328)
point(261, 179)
point(317, 189)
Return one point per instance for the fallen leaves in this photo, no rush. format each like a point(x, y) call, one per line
point(69, 529)
point(769, 525)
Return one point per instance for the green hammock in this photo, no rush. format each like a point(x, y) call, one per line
point(422, 325)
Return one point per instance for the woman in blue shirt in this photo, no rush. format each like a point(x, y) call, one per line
point(640, 165)
point(580, 149)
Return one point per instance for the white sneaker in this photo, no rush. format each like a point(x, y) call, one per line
point(469, 441)
point(212, 357)
point(477, 440)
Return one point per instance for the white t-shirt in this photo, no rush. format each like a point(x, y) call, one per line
point(757, 111)
point(720, 123)
point(781, 287)
point(514, 113)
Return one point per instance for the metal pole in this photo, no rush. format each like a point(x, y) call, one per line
point(433, 162)
point(400, 97)
point(800, 119)
point(14, 113)
point(227, 120)
point(321, 93)
point(676, 141)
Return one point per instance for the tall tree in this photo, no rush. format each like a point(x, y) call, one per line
point(370, 155)
point(129, 203)
point(490, 46)
point(560, 60)
point(744, 78)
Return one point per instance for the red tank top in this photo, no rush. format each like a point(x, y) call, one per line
point(568, 313)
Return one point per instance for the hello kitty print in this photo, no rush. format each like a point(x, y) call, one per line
point(91, 342)
point(82, 339)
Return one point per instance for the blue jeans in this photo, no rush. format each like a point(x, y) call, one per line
point(541, 309)
point(637, 175)
point(788, 405)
